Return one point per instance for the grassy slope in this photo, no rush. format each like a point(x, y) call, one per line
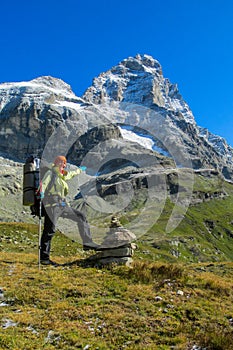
point(153, 305)
point(205, 233)
point(179, 291)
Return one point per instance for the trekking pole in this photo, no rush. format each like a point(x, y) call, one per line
point(39, 233)
point(38, 195)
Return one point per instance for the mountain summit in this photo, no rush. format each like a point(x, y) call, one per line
point(139, 80)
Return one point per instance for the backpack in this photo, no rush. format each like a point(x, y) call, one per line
point(32, 185)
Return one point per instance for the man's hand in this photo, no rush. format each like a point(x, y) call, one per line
point(41, 195)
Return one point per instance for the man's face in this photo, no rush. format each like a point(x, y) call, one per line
point(61, 165)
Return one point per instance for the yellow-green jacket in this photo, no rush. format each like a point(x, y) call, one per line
point(59, 185)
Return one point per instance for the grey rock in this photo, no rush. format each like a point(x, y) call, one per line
point(2, 297)
point(127, 261)
point(117, 237)
point(116, 253)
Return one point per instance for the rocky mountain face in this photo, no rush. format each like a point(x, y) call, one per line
point(140, 81)
point(30, 112)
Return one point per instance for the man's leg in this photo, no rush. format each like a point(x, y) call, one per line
point(50, 220)
point(83, 226)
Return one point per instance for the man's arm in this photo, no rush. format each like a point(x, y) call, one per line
point(73, 173)
point(46, 180)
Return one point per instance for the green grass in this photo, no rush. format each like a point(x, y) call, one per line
point(204, 234)
point(178, 292)
point(154, 304)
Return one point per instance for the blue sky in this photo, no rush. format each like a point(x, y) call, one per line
point(77, 40)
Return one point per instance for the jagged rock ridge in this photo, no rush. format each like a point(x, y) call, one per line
point(139, 80)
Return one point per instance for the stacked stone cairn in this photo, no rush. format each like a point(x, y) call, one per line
point(117, 247)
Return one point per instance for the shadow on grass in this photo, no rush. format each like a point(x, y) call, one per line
point(89, 262)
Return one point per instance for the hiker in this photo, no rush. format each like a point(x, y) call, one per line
point(54, 191)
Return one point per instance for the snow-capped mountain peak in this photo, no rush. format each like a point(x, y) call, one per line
point(41, 84)
point(138, 80)
point(42, 90)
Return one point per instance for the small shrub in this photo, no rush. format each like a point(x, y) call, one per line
point(217, 285)
point(145, 272)
point(215, 339)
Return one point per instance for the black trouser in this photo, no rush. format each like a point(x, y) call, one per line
point(52, 214)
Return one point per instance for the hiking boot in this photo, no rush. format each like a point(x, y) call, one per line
point(90, 246)
point(48, 262)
